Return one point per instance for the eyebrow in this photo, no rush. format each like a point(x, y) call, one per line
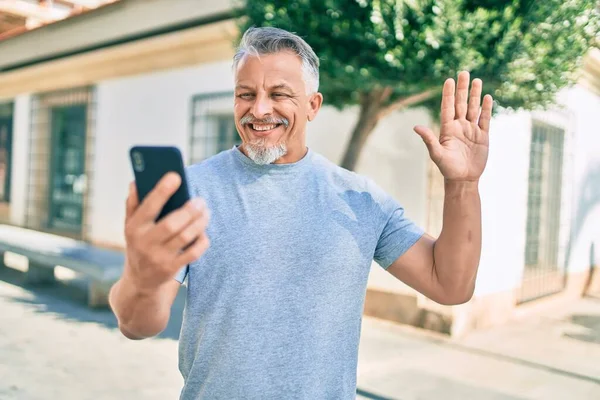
point(276, 87)
point(282, 86)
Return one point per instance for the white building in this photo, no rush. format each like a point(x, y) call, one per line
point(77, 94)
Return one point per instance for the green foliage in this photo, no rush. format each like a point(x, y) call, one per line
point(524, 50)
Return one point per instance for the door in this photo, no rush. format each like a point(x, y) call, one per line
point(67, 168)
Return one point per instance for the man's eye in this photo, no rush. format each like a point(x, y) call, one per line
point(280, 95)
point(246, 95)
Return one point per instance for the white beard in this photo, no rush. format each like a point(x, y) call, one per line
point(263, 155)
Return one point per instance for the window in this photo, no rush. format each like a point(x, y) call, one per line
point(6, 125)
point(213, 126)
point(61, 161)
point(542, 274)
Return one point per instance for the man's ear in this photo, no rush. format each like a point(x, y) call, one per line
point(314, 105)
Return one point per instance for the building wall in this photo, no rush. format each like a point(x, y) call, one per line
point(585, 215)
point(503, 191)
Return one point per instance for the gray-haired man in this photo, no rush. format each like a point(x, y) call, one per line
point(274, 304)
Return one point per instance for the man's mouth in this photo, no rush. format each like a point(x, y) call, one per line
point(263, 128)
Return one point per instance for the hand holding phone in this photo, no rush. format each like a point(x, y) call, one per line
point(165, 228)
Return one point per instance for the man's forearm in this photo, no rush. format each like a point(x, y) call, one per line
point(457, 251)
point(140, 314)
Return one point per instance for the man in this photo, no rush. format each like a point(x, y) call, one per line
point(274, 304)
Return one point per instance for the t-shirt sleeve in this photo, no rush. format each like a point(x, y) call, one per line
point(182, 274)
point(398, 235)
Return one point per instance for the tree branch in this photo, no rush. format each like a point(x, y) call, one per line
point(407, 102)
point(385, 94)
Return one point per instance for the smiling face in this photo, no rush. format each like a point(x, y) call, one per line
point(272, 107)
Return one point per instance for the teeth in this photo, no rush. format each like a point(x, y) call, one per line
point(263, 127)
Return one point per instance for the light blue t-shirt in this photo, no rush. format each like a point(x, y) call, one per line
point(274, 307)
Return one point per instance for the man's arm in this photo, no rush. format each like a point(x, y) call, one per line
point(445, 269)
point(156, 252)
point(142, 314)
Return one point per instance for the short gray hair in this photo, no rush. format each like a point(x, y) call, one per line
point(268, 40)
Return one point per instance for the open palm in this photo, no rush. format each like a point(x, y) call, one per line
point(461, 151)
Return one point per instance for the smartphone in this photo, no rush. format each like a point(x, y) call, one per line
point(150, 164)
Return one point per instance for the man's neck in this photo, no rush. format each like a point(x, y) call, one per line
point(293, 155)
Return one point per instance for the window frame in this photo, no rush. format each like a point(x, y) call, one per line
point(203, 107)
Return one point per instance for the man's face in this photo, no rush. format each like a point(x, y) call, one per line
point(272, 107)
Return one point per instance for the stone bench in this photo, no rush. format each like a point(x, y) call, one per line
point(101, 267)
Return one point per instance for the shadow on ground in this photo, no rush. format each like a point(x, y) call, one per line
point(67, 300)
point(591, 323)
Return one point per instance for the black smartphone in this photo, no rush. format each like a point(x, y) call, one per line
point(150, 164)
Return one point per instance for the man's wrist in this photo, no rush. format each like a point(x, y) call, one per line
point(136, 287)
point(461, 187)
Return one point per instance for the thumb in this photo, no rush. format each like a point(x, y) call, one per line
point(430, 140)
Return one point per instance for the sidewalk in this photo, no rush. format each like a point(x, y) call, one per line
point(546, 357)
point(52, 347)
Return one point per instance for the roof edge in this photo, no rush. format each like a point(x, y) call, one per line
point(22, 30)
point(231, 14)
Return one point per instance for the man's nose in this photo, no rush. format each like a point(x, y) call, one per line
point(262, 106)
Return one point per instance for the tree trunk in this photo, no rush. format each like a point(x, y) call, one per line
point(367, 121)
point(372, 109)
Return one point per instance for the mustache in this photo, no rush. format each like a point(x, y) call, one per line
point(251, 119)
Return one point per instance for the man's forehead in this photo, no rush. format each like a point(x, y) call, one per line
point(274, 71)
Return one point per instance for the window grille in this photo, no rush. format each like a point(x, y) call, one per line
point(542, 275)
point(212, 126)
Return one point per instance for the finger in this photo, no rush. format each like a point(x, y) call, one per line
point(431, 141)
point(193, 252)
point(474, 100)
point(132, 201)
point(152, 205)
point(189, 234)
point(462, 92)
point(448, 101)
point(172, 225)
point(486, 113)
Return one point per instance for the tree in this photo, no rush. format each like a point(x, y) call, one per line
point(388, 55)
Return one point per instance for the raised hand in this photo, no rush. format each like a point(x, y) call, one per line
point(461, 151)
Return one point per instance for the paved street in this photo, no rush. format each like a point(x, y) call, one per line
point(53, 347)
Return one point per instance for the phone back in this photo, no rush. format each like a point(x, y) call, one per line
point(150, 164)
